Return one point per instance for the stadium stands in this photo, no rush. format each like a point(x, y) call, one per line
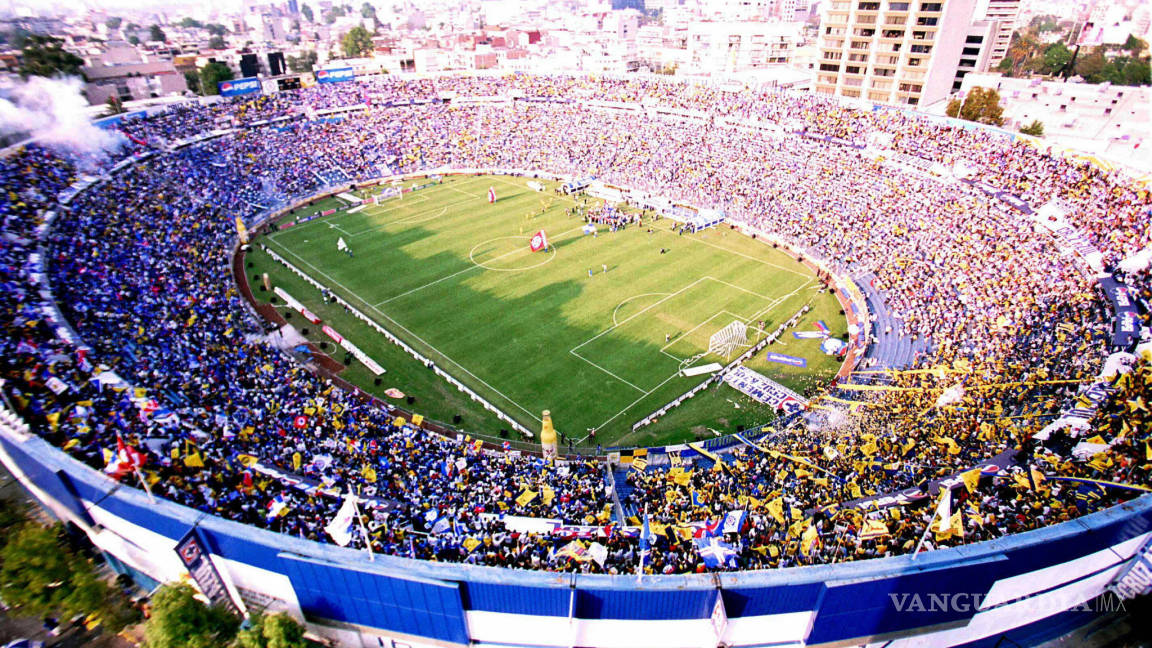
point(167, 358)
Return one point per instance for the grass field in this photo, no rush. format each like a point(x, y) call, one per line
point(453, 276)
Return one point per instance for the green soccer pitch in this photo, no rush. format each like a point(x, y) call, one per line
point(453, 276)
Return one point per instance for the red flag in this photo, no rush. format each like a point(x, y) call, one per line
point(126, 460)
point(491, 194)
point(539, 241)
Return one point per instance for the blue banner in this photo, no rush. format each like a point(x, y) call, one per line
point(336, 75)
point(1126, 326)
point(786, 359)
point(238, 87)
point(809, 335)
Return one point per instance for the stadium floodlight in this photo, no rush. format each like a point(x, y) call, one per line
point(727, 339)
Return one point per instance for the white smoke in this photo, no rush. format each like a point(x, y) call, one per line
point(55, 113)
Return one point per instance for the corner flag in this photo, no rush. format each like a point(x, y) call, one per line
point(539, 241)
point(491, 194)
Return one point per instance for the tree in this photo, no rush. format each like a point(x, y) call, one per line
point(44, 56)
point(1035, 129)
point(180, 620)
point(212, 74)
point(367, 10)
point(274, 631)
point(114, 106)
point(216, 29)
point(981, 105)
point(1091, 67)
point(217, 42)
point(113, 23)
point(306, 11)
point(303, 63)
point(190, 23)
point(40, 575)
point(357, 42)
point(1056, 56)
point(192, 79)
point(1134, 45)
point(156, 34)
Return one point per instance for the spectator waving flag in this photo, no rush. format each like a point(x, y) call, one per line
point(126, 460)
point(340, 528)
point(539, 241)
point(716, 553)
point(277, 507)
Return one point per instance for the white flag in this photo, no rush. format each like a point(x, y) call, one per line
point(598, 552)
point(341, 245)
point(340, 528)
point(944, 508)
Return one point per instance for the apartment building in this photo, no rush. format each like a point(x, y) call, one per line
point(892, 51)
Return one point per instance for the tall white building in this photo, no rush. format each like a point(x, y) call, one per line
point(889, 51)
point(913, 52)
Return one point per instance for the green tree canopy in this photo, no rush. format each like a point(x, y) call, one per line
point(217, 42)
point(1056, 56)
point(216, 29)
point(44, 56)
point(303, 63)
point(211, 75)
point(981, 105)
point(180, 620)
point(113, 23)
point(157, 34)
point(40, 575)
point(189, 23)
point(306, 11)
point(367, 10)
point(1035, 129)
point(271, 631)
point(192, 79)
point(357, 42)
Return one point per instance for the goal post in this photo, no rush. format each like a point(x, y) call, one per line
point(728, 339)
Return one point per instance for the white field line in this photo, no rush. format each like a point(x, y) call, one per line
point(412, 335)
point(615, 310)
point(573, 352)
point(460, 272)
point(752, 258)
point(773, 304)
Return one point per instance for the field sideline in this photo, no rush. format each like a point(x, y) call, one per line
point(594, 329)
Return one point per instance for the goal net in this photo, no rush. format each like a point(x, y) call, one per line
point(728, 339)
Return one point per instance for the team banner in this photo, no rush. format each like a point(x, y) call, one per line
point(786, 359)
point(1126, 326)
point(539, 241)
point(1006, 197)
point(200, 568)
point(762, 389)
point(239, 87)
point(335, 75)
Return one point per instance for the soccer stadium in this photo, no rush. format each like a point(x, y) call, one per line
point(531, 360)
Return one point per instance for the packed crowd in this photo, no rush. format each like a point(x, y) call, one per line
point(179, 368)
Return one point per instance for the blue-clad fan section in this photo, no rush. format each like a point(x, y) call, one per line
point(846, 602)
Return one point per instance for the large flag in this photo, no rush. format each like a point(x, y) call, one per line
point(539, 241)
point(715, 552)
point(733, 521)
point(340, 528)
point(491, 194)
point(126, 460)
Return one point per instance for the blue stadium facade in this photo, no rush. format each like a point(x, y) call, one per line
point(1029, 588)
